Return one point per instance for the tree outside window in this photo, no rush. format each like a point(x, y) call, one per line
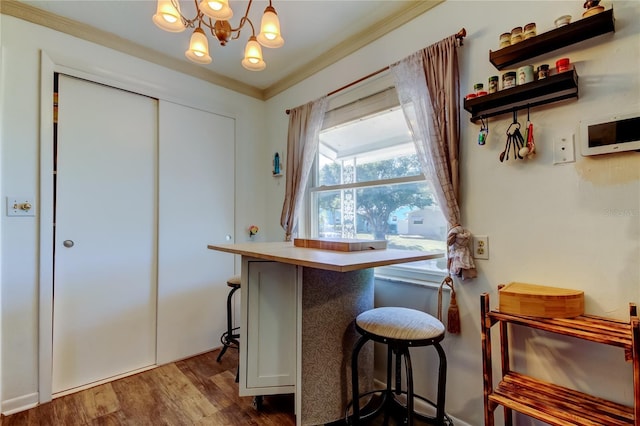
point(370, 186)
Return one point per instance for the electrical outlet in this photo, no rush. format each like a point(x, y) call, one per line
point(563, 151)
point(481, 247)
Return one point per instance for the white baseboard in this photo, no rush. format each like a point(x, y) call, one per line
point(21, 403)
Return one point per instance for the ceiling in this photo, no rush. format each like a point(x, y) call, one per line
point(316, 33)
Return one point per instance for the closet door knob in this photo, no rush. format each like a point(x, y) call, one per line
point(67, 243)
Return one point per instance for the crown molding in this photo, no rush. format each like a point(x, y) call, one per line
point(86, 32)
point(352, 44)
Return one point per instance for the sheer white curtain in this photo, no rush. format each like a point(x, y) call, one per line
point(428, 88)
point(305, 123)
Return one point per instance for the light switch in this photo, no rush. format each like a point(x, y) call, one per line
point(21, 206)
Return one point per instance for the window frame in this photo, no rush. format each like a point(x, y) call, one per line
point(344, 112)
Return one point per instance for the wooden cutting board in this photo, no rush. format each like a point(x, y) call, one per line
point(340, 244)
point(540, 301)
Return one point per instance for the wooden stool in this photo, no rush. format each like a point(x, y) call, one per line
point(400, 329)
point(229, 338)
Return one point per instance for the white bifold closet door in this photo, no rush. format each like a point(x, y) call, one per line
point(105, 278)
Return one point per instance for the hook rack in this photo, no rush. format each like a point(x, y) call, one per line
point(552, 89)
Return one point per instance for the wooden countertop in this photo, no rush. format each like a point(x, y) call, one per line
point(330, 260)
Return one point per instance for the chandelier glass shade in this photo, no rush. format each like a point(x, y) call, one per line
point(253, 55)
point(219, 10)
point(198, 48)
point(270, 29)
point(214, 16)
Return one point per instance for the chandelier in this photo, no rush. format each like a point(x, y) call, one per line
point(214, 16)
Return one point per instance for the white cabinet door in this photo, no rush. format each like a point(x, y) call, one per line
point(269, 312)
point(104, 311)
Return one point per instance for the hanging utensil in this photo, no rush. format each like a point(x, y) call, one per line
point(505, 154)
point(527, 149)
point(512, 139)
point(484, 132)
point(531, 144)
point(519, 142)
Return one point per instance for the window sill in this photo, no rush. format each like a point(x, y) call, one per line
point(429, 279)
point(428, 274)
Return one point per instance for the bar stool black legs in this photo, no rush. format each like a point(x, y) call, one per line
point(229, 338)
point(399, 329)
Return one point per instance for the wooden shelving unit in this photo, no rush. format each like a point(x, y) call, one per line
point(554, 88)
point(547, 402)
point(546, 42)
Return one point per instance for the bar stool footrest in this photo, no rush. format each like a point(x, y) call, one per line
point(230, 340)
point(395, 408)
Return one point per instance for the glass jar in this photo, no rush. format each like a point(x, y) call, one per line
point(505, 40)
point(563, 65)
point(516, 35)
point(508, 80)
point(530, 30)
point(493, 84)
point(543, 71)
point(525, 74)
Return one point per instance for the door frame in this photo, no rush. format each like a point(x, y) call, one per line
point(74, 67)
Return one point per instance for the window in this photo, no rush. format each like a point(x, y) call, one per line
point(368, 184)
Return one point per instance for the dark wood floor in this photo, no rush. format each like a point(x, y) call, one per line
point(196, 391)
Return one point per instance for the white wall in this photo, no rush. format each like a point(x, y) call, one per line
point(575, 225)
point(19, 170)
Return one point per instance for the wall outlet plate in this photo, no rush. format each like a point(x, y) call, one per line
point(481, 247)
point(563, 150)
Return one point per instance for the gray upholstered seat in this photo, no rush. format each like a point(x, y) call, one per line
point(400, 323)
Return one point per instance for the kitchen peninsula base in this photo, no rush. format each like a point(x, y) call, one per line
point(298, 306)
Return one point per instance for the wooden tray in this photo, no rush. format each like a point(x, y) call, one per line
point(340, 244)
point(540, 301)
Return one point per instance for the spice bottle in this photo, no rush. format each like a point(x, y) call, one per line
point(543, 71)
point(505, 40)
point(508, 80)
point(516, 35)
point(529, 30)
point(493, 84)
point(525, 74)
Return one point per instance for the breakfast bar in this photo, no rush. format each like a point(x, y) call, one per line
point(297, 310)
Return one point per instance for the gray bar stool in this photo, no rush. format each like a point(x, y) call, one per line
point(400, 329)
point(229, 338)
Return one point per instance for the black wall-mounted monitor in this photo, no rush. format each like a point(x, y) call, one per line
point(607, 135)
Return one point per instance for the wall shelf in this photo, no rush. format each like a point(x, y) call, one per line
point(555, 39)
point(554, 88)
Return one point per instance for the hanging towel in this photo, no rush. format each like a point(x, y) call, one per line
point(460, 260)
